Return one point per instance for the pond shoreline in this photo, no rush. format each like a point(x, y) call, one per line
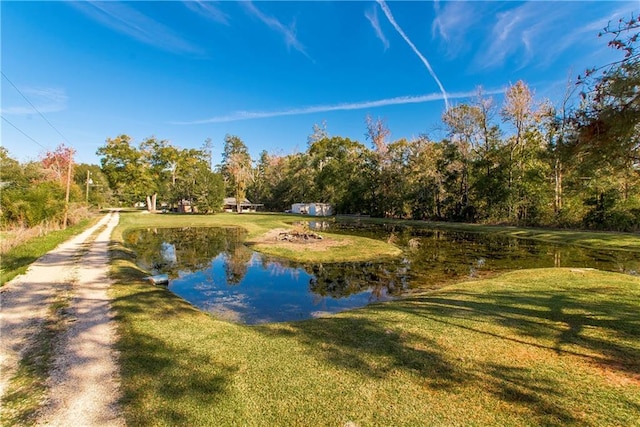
point(216, 269)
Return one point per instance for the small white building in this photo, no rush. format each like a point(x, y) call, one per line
point(312, 209)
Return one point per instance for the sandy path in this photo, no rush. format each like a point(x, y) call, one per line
point(83, 388)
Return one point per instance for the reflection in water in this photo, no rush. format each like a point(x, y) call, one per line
point(213, 270)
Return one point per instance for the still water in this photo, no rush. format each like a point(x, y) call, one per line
point(212, 269)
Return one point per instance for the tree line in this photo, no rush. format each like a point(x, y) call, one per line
point(51, 192)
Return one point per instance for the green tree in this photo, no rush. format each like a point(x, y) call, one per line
point(488, 184)
point(335, 163)
point(137, 174)
point(517, 111)
point(392, 180)
point(122, 164)
point(31, 194)
point(11, 171)
point(259, 189)
point(159, 162)
point(291, 179)
point(608, 132)
point(381, 176)
point(194, 181)
point(609, 123)
point(426, 190)
point(463, 123)
point(524, 154)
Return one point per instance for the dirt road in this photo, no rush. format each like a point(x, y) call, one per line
point(83, 385)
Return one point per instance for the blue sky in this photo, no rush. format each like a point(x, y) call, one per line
point(268, 71)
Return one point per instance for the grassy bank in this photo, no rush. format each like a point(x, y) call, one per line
point(18, 259)
point(347, 248)
point(532, 347)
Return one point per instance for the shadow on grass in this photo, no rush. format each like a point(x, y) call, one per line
point(373, 350)
point(164, 378)
point(164, 382)
point(13, 262)
point(573, 322)
point(364, 346)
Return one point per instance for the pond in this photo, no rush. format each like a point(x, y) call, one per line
point(212, 269)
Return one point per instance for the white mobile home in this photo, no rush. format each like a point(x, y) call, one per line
point(312, 209)
point(320, 209)
point(300, 208)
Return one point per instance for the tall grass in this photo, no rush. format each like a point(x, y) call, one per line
point(17, 259)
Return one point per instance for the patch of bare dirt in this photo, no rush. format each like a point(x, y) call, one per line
point(292, 239)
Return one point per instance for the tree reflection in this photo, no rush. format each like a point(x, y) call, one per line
point(237, 263)
point(344, 279)
point(171, 250)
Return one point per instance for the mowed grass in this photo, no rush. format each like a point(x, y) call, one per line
point(532, 347)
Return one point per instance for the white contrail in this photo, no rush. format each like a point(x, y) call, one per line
point(393, 22)
point(247, 115)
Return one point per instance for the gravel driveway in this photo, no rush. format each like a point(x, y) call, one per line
point(83, 388)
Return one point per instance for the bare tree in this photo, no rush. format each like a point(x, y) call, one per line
point(319, 133)
point(377, 133)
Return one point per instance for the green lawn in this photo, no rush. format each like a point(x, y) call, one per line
point(532, 347)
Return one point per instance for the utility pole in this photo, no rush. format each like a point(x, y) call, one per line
point(86, 197)
point(66, 197)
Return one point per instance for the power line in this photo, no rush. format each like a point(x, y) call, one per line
point(34, 107)
point(20, 130)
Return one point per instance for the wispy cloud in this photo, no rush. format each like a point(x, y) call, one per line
point(207, 9)
point(453, 21)
point(426, 63)
point(511, 32)
point(288, 32)
point(46, 100)
point(540, 32)
point(589, 30)
point(400, 100)
point(372, 16)
point(125, 19)
point(450, 19)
